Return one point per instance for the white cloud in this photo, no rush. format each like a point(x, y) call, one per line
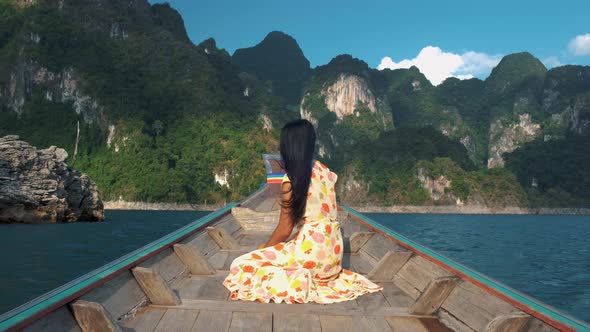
point(478, 63)
point(552, 62)
point(438, 65)
point(580, 45)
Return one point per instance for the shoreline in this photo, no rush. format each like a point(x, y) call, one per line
point(469, 209)
point(122, 205)
point(429, 209)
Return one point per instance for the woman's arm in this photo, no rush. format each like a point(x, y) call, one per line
point(285, 225)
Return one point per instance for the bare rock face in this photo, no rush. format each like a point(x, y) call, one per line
point(573, 118)
point(351, 188)
point(507, 138)
point(62, 86)
point(38, 186)
point(343, 96)
point(355, 106)
point(437, 188)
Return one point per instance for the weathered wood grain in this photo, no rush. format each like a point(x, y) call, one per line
point(360, 264)
point(118, 295)
point(513, 322)
point(252, 240)
point(378, 245)
point(229, 223)
point(155, 287)
point(202, 288)
point(251, 321)
point(268, 204)
point(232, 255)
point(358, 240)
point(195, 262)
point(370, 259)
point(337, 323)
point(389, 265)
point(167, 264)
point(408, 288)
point(416, 324)
point(374, 300)
point(177, 320)
point(145, 320)
point(218, 259)
point(535, 325)
point(357, 323)
point(342, 308)
point(371, 323)
point(254, 200)
point(395, 296)
point(222, 260)
point(452, 322)
point(350, 226)
point(92, 317)
point(419, 272)
point(223, 238)
point(288, 322)
point(255, 221)
point(434, 295)
point(60, 319)
point(474, 306)
point(203, 243)
point(212, 321)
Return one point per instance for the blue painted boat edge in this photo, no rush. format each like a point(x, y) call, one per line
point(499, 287)
point(18, 315)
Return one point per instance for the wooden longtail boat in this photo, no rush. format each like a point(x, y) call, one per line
point(175, 284)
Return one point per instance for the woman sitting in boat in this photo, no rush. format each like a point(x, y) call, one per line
point(307, 268)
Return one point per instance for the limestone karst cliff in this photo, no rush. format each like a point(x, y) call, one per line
point(343, 97)
point(506, 138)
point(342, 103)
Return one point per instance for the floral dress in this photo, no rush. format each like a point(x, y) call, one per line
point(307, 268)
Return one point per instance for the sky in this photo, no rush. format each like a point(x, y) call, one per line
point(461, 38)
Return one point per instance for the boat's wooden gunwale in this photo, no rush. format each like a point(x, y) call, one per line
point(254, 198)
point(38, 308)
point(544, 312)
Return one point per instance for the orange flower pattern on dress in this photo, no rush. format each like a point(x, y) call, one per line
point(307, 268)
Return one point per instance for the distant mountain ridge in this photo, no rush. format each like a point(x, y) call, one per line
point(521, 102)
point(278, 59)
point(165, 120)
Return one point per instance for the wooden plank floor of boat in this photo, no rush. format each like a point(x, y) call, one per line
point(206, 306)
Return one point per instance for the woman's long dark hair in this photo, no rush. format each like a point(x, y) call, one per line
point(297, 148)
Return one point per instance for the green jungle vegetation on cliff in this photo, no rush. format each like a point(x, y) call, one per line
point(163, 119)
point(178, 110)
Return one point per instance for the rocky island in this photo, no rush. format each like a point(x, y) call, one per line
point(38, 186)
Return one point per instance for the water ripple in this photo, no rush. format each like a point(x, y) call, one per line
point(547, 257)
point(43, 257)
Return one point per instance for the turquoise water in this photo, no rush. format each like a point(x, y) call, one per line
point(547, 257)
point(39, 258)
